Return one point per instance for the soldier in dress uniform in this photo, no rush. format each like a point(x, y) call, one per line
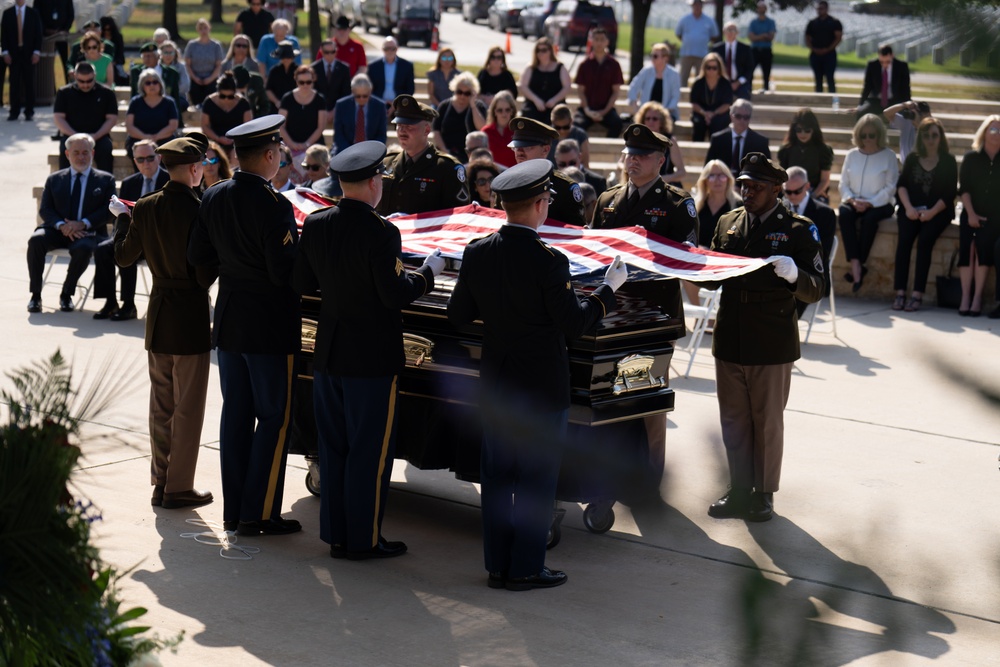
point(520, 288)
point(419, 178)
point(646, 200)
point(352, 255)
point(532, 140)
point(248, 231)
point(756, 337)
point(178, 335)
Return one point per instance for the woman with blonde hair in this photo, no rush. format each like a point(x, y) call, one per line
point(710, 97)
point(497, 128)
point(657, 118)
point(714, 196)
point(459, 115)
point(240, 53)
point(544, 84)
point(979, 228)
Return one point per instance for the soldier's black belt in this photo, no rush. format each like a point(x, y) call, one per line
point(757, 297)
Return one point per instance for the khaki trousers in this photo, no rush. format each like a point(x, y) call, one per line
point(689, 63)
point(752, 403)
point(178, 387)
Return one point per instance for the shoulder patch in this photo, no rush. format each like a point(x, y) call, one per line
point(690, 208)
point(460, 172)
point(815, 232)
point(577, 192)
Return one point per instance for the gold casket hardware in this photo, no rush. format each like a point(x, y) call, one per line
point(417, 349)
point(309, 328)
point(633, 374)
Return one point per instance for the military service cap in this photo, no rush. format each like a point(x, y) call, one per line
point(640, 140)
point(91, 24)
point(184, 150)
point(257, 132)
point(148, 47)
point(530, 132)
point(286, 49)
point(359, 162)
point(525, 180)
point(756, 167)
point(410, 112)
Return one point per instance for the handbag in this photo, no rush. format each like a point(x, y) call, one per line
point(949, 288)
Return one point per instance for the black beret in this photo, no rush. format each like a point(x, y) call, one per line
point(184, 150)
point(525, 180)
point(530, 132)
point(756, 167)
point(148, 47)
point(343, 23)
point(358, 162)
point(640, 140)
point(286, 49)
point(257, 132)
point(410, 112)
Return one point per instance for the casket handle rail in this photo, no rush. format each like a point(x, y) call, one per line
point(634, 374)
point(309, 328)
point(417, 350)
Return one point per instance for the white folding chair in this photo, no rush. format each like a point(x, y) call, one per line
point(833, 299)
point(702, 314)
point(62, 253)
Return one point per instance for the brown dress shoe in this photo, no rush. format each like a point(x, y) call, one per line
point(157, 498)
point(192, 498)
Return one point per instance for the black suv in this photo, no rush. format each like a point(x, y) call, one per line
point(572, 20)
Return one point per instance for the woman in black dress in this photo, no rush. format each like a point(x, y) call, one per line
point(305, 112)
point(495, 76)
point(544, 84)
point(111, 33)
point(711, 95)
point(804, 147)
point(459, 115)
point(979, 228)
point(151, 114)
point(223, 110)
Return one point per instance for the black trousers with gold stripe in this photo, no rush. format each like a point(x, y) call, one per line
point(253, 440)
point(356, 426)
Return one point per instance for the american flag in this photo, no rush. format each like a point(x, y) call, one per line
point(589, 250)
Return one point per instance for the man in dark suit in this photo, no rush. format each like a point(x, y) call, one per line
point(248, 231)
point(21, 48)
point(520, 288)
point(74, 213)
point(799, 200)
point(567, 156)
point(731, 144)
point(359, 105)
point(352, 255)
point(147, 180)
point(57, 17)
point(737, 59)
point(178, 336)
point(391, 75)
point(887, 82)
point(333, 77)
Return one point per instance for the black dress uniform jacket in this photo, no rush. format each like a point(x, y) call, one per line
point(161, 223)
point(435, 181)
point(567, 202)
point(352, 255)
point(757, 321)
point(249, 231)
point(521, 289)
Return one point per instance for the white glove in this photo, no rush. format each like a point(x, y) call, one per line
point(785, 268)
point(616, 274)
point(435, 261)
point(117, 206)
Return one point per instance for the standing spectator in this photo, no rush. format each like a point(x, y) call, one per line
point(21, 47)
point(804, 147)
point(223, 110)
point(544, 84)
point(203, 58)
point(349, 51)
point(216, 166)
point(458, 116)
point(906, 117)
point(867, 184)
point(178, 334)
point(439, 77)
point(86, 107)
point(391, 75)
point(74, 213)
point(57, 17)
point(111, 33)
point(359, 117)
point(149, 56)
point(695, 32)
point(654, 116)
point(151, 114)
point(281, 77)
point(926, 194)
point(353, 257)
point(887, 83)
point(738, 60)
point(731, 144)
point(174, 73)
point(979, 232)
point(562, 123)
point(305, 112)
point(240, 53)
point(657, 82)
point(104, 66)
point(481, 174)
point(333, 77)
point(568, 157)
point(254, 22)
point(268, 46)
point(711, 96)
point(494, 76)
point(761, 34)
point(497, 128)
point(250, 235)
point(823, 34)
point(598, 81)
point(756, 337)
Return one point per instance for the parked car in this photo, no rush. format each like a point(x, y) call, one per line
point(451, 4)
point(417, 20)
point(533, 18)
point(349, 8)
point(572, 20)
point(505, 15)
point(475, 10)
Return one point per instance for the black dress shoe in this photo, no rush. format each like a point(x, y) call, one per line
point(30, 115)
point(157, 499)
point(107, 311)
point(269, 527)
point(994, 314)
point(230, 526)
point(34, 305)
point(733, 505)
point(66, 304)
point(12, 116)
point(497, 580)
point(192, 498)
point(338, 551)
point(761, 507)
point(124, 313)
point(384, 549)
point(545, 579)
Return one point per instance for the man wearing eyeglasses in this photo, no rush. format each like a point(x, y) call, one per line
point(359, 117)
point(568, 157)
point(391, 75)
point(86, 106)
point(799, 200)
point(332, 76)
point(20, 48)
point(254, 22)
point(731, 144)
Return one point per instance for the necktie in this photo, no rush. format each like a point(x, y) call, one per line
point(885, 87)
point(20, 26)
point(75, 196)
point(754, 224)
point(729, 61)
point(359, 125)
point(147, 186)
point(736, 154)
point(329, 72)
point(632, 201)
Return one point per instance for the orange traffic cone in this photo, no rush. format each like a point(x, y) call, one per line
point(508, 42)
point(590, 49)
point(434, 39)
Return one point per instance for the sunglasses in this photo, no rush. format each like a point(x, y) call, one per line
point(283, 164)
point(173, 53)
point(867, 135)
point(304, 82)
point(496, 56)
point(711, 68)
point(464, 93)
point(86, 81)
point(484, 181)
point(388, 48)
point(362, 97)
point(209, 160)
point(563, 128)
point(544, 50)
point(503, 110)
point(226, 97)
point(657, 56)
point(312, 167)
point(797, 191)
point(566, 165)
point(803, 130)
point(241, 46)
point(930, 135)
point(150, 82)
point(329, 52)
point(92, 47)
point(656, 118)
point(447, 59)
point(142, 160)
point(716, 176)
point(741, 116)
